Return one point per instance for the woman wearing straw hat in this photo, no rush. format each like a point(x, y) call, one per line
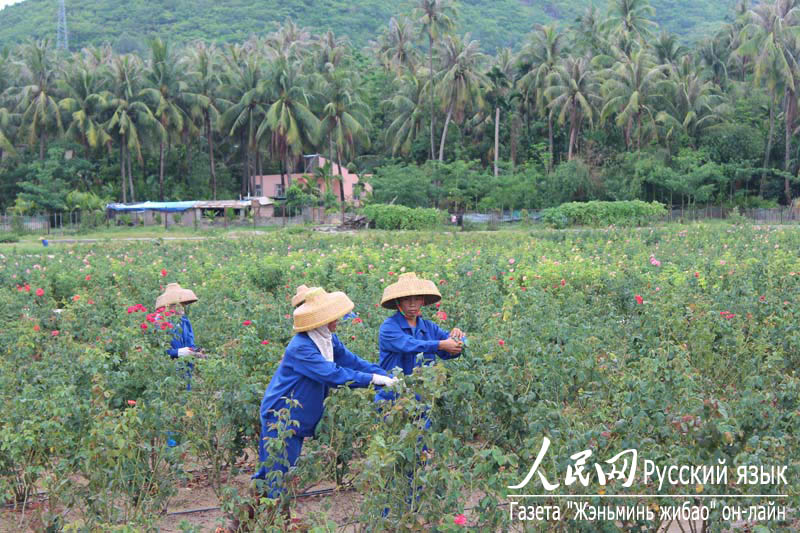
point(406, 334)
point(314, 361)
point(175, 300)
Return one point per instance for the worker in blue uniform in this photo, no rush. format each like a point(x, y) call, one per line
point(407, 341)
point(314, 361)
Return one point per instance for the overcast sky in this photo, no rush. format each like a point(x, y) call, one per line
point(4, 3)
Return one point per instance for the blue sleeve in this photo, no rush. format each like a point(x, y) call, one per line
point(441, 334)
point(311, 364)
point(173, 351)
point(394, 339)
point(346, 358)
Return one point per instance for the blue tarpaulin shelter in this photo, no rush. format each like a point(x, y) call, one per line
point(167, 207)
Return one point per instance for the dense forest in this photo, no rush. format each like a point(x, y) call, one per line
point(496, 24)
point(608, 106)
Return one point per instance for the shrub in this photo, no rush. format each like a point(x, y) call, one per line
point(266, 275)
point(400, 217)
point(157, 218)
point(625, 213)
point(8, 237)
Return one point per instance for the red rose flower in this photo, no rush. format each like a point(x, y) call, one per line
point(501, 342)
point(76, 298)
point(36, 327)
point(27, 288)
point(88, 277)
point(265, 342)
point(132, 403)
point(441, 315)
point(357, 320)
point(143, 326)
point(39, 292)
point(563, 282)
point(460, 520)
point(163, 273)
point(639, 299)
point(246, 323)
point(54, 333)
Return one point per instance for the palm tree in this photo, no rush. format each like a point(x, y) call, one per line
point(247, 101)
point(130, 118)
point(7, 125)
point(37, 101)
point(330, 52)
point(630, 92)
point(460, 81)
point(434, 17)
point(86, 94)
point(501, 78)
point(289, 121)
point(408, 108)
point(573, 92)
point(344, 121)
point(630, 18)
point(693, 105)
point(395, 47)
point(668, 51)
point(772, 43)
point(589, 34)
point(167, 97)
point(538, 60)
point(204, 84)
point(290, 41)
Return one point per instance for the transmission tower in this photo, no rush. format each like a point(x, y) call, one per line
point(62, 42)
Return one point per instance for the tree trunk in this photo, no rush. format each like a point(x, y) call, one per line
point(283, 187)
point(496, 137)
point(514, 139)
point(210, 137)
point(41, 145)
point(790, 110)
point(763, 183)
point(550, 139)
point(122, 170)
point(341, 182)
point(573, 135)
point(444, 131)
point(430, 66)
point(161, 171)
point(245, 154)
point(130, 171)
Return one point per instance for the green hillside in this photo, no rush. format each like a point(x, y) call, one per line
point(495, 23)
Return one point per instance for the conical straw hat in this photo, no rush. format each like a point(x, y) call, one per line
point(300, 296)
point(409, 284)
point(321, 308)
point(174, 294)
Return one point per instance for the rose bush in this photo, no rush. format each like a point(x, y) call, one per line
point(577, 336)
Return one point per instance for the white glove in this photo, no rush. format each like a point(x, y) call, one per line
point(388, 381)
point(183, 352)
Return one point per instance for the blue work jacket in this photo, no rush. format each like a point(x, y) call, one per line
point(182, 337)
point(306, 376)
point(399, 345)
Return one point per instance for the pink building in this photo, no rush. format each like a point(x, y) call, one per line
point(270, 185)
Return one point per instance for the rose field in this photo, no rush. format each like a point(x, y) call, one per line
point(681, 342)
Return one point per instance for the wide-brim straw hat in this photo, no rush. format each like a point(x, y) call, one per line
point(321, 308)
point(174, 294)
point(409, 284)
point(300, 296)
